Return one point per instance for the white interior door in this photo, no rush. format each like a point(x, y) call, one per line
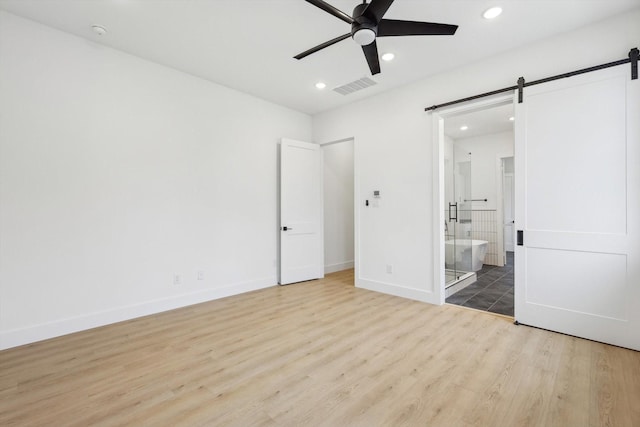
point(301, 234)
point(509, 218)
point(577, 177)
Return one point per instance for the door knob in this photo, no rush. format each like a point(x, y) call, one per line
point(285, 228)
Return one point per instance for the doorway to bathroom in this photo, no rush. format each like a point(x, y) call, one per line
point(477, 163)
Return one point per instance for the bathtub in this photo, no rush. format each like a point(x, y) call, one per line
point(468, 254)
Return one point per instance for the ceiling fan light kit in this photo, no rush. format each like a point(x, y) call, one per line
point(364, 36)
point(367, 24)
point(363, 29)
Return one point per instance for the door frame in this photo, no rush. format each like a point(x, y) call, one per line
point(501, 248)
point(437, 126)
point(356, 205)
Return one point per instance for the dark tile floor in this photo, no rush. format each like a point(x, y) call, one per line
point(492, 292)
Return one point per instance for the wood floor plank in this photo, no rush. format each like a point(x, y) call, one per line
point(320, 353)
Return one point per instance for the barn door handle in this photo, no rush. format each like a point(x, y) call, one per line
point(520, 238)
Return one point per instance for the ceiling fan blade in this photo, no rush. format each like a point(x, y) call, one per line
point(322, 46)
point(377, 9)
point(371, 53)
point(332, 10)
point(392, 27)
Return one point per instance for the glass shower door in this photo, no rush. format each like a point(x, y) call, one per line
point(458, 215)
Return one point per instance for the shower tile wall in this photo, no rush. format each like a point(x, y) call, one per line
point(485, 227)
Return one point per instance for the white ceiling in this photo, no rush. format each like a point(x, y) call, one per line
point(480, 122)
point(249, 45)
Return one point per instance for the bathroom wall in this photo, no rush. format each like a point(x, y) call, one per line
point(486, 151)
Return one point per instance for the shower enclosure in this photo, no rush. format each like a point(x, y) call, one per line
point(458, 225)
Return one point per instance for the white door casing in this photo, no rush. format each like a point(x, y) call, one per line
point(301, 232)
point(577, 157)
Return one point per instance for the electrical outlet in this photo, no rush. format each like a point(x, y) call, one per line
point(389, 269)
point(177, 279)
point(200, 274)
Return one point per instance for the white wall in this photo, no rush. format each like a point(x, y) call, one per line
point(338, 206)
point(394, 137)
point(116, 173)
point(485, 150)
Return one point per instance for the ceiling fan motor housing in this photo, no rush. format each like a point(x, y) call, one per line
point(368, 23)
point(363, 29)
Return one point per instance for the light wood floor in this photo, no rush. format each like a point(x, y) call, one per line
point(319, 353)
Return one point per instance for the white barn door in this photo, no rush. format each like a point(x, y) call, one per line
point(577, 174)
point(301, 231)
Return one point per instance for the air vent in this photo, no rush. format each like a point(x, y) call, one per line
point(355, 86)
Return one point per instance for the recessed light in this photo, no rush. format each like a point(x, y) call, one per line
point(511, 118)
point(492, 12)
point(99, 30)
point(464, 127)
point(320, 85)
point(388, 56)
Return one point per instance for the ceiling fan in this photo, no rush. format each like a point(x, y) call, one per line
point(367, 24)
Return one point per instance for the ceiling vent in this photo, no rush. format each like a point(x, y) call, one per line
point(355, 86)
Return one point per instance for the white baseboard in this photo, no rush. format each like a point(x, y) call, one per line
point(396, 290)
point(332, 268)
point(31, 334)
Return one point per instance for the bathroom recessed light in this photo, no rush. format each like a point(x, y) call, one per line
point(388, 56)
point(99, 30)
point(511, 118)
point(320, 85)
point(464, 127)
point(492, 13)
